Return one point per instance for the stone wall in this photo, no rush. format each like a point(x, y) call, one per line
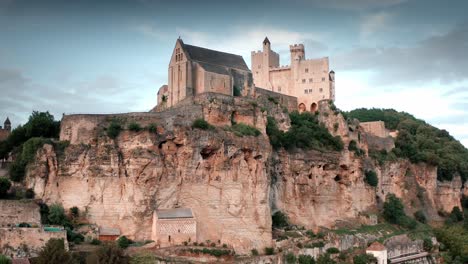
point(13, 212)
point(290, 102)
point(26, 242)
point(376, 128)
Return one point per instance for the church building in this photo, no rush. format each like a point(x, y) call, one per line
point(307, 79)
point(194, 70)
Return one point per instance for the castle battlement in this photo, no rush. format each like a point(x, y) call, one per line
point(256, 52)
point(296, 47)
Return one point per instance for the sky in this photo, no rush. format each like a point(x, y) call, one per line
point(112, 56)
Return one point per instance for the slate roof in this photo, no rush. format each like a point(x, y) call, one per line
point(174, 213)
point(106, 231)
point(7, 121)
point(214, 68)
point(215, 57)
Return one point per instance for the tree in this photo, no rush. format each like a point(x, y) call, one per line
point(456, 215)
point(306, 259)
point(325, 259)
point(364, 259)
point(393, 209)
point(290, 258)
point(42, 124)
point(123, 242)
point(108, 253)
point(5, 185)
point(279, 220)
point(4, 259)
point(54, 253)
point(57, 215)
point(371, 178)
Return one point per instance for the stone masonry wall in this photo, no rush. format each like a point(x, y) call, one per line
point(13, 212)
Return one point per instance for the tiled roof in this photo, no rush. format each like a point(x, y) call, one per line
point(215, 57)
point(174, 213)
point(106, 231)
point(376, 246)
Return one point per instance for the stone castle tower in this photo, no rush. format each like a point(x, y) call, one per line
point(6, 130)
point(307, 79)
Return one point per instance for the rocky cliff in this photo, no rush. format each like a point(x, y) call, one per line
point(233, 184)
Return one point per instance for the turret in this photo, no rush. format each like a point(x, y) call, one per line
point(332, 76)
point(7, 124)
point(266, 45)
point(297, 52)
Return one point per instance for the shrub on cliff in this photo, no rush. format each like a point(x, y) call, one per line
point(269, 251)
point(455, 240)
point(420, 216)
point(26, 154)
point(135, 127)
point(306, 259)
point(394, 212)
point(123, 242)
point(5, 185)
point(455, 215)
point(153, 128)
point(108, 253)
point(241, 130)
point(4, 259)
point(279, 220)
point(305, 133)
point(54, 253)
point(290, 258)
point(114, 128)
point(370, 177)
point(57, 215)
point(325, 259)
point(421, 142)
point(201, 123)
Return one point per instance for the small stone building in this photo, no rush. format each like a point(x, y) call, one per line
point(379, 251)
point(174, 226)
point(376, 128)
point(6, 130)
point(108, 234)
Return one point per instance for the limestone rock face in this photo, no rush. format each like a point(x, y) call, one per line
point(232, 184)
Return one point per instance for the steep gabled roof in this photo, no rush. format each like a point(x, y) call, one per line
point(215, 57)
point(7, 121)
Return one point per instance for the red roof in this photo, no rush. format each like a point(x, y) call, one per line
point(376, 246)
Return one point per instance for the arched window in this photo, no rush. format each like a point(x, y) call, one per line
point(301, 108)
point(313, 107)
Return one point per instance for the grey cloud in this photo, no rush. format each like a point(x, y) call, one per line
point(441, 58)
point(353, 4)
point(456, 91)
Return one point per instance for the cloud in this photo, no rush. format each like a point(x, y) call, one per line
point(374, 23)
point(356, 4)
point(442, 58)
point(101, 94)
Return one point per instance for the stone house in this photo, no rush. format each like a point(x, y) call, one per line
point(379, 251)
point(108, 234)
point(307, 79)
point(174, 226)
point(194, 70)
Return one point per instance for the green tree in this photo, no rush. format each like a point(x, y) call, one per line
point(123, 242)
point(290, 258)
point(306, 259)
point(4, 259)
point(108, 253)
point(420, 216)
point(5, 185)
point(57, 215)
point(279, 220)
point(393, 209)
point(54, 253)
point(114, 128)
point(456, 215)
point(364, 259)
point(371, 178)
point(325, 259)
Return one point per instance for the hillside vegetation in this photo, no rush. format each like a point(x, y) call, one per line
point(420, 142)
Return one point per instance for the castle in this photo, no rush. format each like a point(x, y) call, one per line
point(6, 130)
point(194, 70)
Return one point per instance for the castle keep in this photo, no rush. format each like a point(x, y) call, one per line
point(194, 70)
point(307, 79)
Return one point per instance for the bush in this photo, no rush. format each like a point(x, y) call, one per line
point(57, 215)
point(269, 251)
point(123, 242)
point(152, 128)
point(456, 215)
point(290, 258)
point(420, 216)
point(364, 259)
point(201, 123)
point(325, 259)
point(26, 154)
point(254, 252)
point(427, 244)
point(241, 130)
point(134, 127)
point(306, 259)
point(4, 259)
point(393, 209)
point(310, 234)
point(30, 193)
point(74, 211)
point(108, 253)
point(54, 253)
point(279, 220)
point(333, 250)
point(371, 178)
point(95, 241)
point(305, 133)
point(114, 128)
point(24, 224)
point(143, 258)
point(5, 185)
